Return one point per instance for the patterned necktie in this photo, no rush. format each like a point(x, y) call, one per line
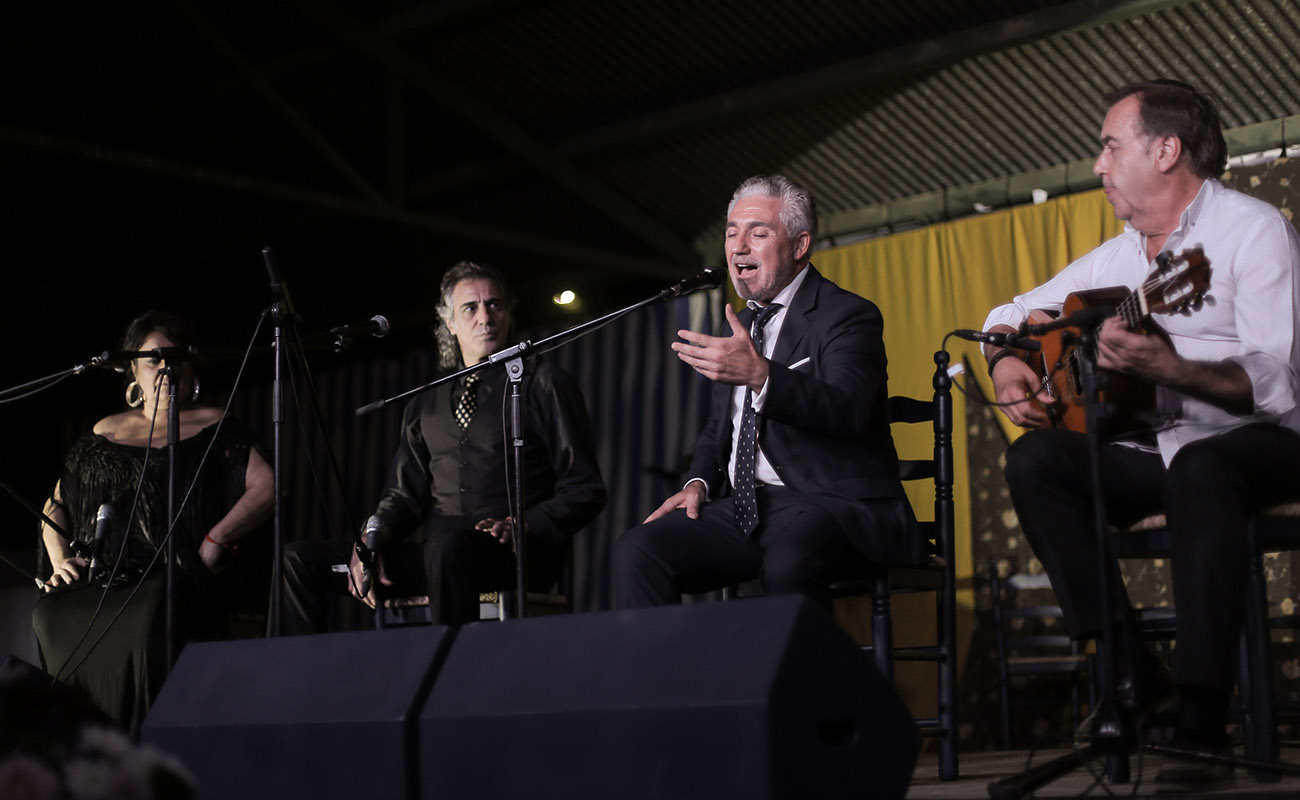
point(746, 501)
point(468, 402)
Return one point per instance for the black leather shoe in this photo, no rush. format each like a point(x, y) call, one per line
point(1189, 776)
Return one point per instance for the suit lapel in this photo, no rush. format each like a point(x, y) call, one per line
point(799, 318)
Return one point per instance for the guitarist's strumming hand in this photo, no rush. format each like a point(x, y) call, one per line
point(1014, 382)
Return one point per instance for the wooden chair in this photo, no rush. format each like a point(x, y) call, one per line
point(937, 575)
point(1035, 651)
point(1271, 530)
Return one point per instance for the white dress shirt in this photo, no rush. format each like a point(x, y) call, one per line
point(764, 474)
point(1251, 315)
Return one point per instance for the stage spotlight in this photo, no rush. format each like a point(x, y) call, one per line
point(566, 297)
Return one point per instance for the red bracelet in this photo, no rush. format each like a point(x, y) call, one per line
point(228, 547)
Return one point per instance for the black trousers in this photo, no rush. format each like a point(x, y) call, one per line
point(1208, 493)
point(450, 561)
point(798, 548)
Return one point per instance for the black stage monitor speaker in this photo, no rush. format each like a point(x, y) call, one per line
point(39, 714)
point(325, 716)
point(760, 698)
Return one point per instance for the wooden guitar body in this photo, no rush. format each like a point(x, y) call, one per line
point(1132, 400)
point(1177, 286)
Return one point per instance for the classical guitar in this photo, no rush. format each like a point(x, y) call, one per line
point(1177, 285)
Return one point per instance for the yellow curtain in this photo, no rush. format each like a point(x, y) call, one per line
point(932, 280)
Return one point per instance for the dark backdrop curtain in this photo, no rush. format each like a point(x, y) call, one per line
point(645, 405)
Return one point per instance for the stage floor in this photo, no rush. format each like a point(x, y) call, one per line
point(978, 770)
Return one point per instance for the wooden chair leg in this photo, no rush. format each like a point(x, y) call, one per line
point(947, 615)
point(1255, 681)
point(882, 630)
point(1006, 712)
point(1074, 702)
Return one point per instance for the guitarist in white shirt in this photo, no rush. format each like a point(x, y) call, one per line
point(1223, 439)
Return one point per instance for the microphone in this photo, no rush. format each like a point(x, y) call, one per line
point(106, 360)
point(119, 360)
point(366, 551)
point(102, 519)
point(377, 327)
point(1012, 339)
point(710, 278)
point(1084, 318)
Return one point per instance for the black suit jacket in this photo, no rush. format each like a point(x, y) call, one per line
point(825, 423)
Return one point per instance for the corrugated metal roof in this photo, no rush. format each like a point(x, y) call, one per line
point(1037, 105)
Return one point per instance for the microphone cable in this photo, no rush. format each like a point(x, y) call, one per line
point(993, 403)
point(296, 365)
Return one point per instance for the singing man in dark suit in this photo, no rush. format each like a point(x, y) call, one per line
point(795, 477)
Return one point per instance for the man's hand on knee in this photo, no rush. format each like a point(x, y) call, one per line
point(690, 498)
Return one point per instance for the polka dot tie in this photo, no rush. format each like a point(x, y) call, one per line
point(745, 499)
point(468, 402)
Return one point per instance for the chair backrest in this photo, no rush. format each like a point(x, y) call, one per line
point(1032, 640)
point(939, 531)
point(1044, 627)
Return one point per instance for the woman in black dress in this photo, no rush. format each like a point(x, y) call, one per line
point(123, 462)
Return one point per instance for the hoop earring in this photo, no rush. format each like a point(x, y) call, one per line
point(194, 395)
point(131, 389)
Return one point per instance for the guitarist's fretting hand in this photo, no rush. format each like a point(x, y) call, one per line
point(1139, 354)
point(1152, 357)
point(1014, 382)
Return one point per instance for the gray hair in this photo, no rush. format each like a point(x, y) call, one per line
point(798, 210)
point(449, 357)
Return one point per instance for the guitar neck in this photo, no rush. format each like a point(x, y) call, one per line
point(1130, 308)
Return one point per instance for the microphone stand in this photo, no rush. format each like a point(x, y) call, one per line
point(40, 384)
point(1114, 734)
point(283, 314)
point(173, 439)
point(36, 386)
point(513, 359)
point(39, 514)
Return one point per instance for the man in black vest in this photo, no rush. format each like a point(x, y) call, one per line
point(444, 517)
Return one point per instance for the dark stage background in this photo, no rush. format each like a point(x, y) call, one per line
point(645, 407)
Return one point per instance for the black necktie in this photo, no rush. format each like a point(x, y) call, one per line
point(468, 402)
point(746, 446)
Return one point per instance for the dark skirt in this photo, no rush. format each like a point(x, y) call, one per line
point(124, 670)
